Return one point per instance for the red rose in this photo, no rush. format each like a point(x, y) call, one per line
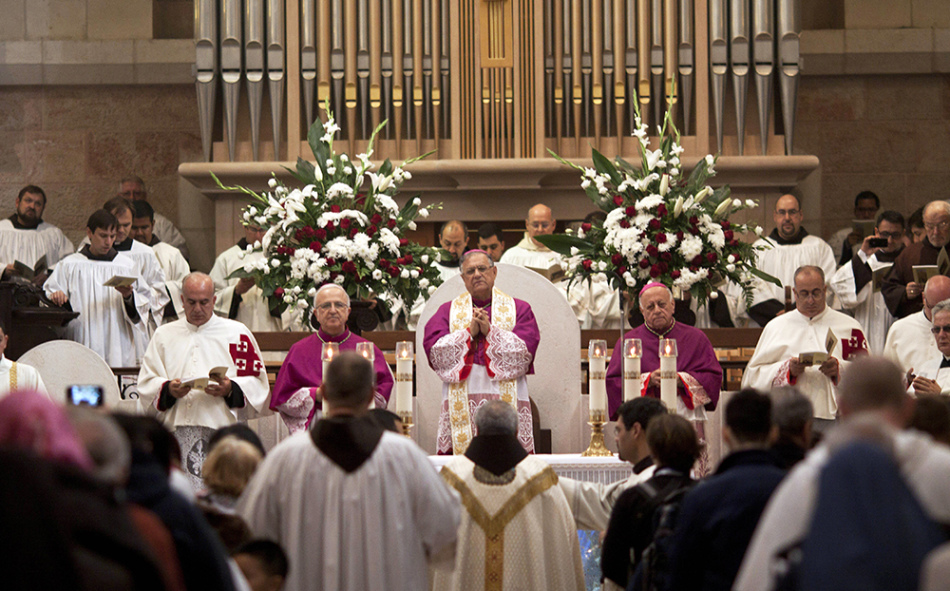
point(315, 246)
point(697, 261)
point(665, 256)
point(655, 271)
point(335, 208)
point(376, 219)
point(320, 234)
point(345, 223)
point(393, 271)
point(644, 263)
point(711, 257)
point(734, 243)
point(409, 259)
point(661, 238)
point(618, 200)
point(403, 241)
point(725, 224)
point(663, 267)
point(299, 235)
point(349, 267)
point(675, 274)
point(383, 263)
point(631, 211)
point(371, 231)
point(661, 210)
point(331, 226)
point(693, 268)
point(621, 269)
point(279, 292)
point(624, 224)
point(586, 227)
point(728, 235)
point(652, 250)
point(654, 224)
point(693, 221)
point(391, 224)
point(679, 235)
point(586, 264)
point(353, 232)
point(331, 262)
point(616, 259)
point(694, 231)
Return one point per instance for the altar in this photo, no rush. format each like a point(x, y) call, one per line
point(603, 470)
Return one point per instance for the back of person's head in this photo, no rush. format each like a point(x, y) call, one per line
point(264, 564)
point(641, 410)
point(142, 209)
point(792, 412)
point(489, 229)
point(101, 220)
point(118, 205)
point(349, 382)
point(239, 430)
point(386, 419)
point(673, 442)
point(932, 416)
point(148, 438)
point(31, 422)
point(749, 417)
point(230, 465)
point(106, 443)
point(496, 417)
point(872, 384)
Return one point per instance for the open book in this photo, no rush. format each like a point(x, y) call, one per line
point(201, 382)
point(554, 273)
point(878, 275)
point(863, 228)
point(24, 270)
point(924, 272)
point(819, 357)
point(119, 281)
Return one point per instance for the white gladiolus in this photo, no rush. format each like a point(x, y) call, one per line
point(377, 274)
point(339, 279)
point(423, 213)
point(585, 183)
point(317, 173)
point(339, 190)
point(425, 259)
point(731, 258)
point(302, 304)
point(272, 183)
point(736, 203)
point(414, 274)
point(758, 230)
point(664, 185)
point(730, 267)
point(411, 226)
point(416, 201)
point(275, 263)
point(678, 207)
point(431, 289)
point(750, 203)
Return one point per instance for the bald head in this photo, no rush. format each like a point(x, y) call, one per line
point(540, 222)
point(454, 238)
point(873, 384)
point(937, 223)
point(197, 297)
point(788, 216)
point(936, 291)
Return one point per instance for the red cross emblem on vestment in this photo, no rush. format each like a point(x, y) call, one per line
point(854, 345)
point(245, 357)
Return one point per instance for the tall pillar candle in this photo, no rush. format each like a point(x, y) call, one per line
point(330, 351)
point(597, 368)
point(368, 352)
point(632, 352)
point(668, 377)
point(404, 358)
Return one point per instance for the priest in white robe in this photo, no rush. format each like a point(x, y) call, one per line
point(133, 188)
point(176, 373)
point(26, 238)
point(481, 345)
point(933, 376)
point(517, 531)
point(110, 318)
point(776, 360)
point(854, 282)
point(909, 343)
point(529, 252)
point(17, 376)
point(172, 262)
point(354, 506)
point(788, 247)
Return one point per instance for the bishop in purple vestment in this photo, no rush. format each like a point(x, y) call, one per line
point(295, 394)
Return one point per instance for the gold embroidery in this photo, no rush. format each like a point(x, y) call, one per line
point(494, 526)
point(13, 376)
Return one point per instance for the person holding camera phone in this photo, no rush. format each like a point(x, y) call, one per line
point(858, 283)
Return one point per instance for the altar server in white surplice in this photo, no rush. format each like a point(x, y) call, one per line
point(172, 262)
point(909, 342)
point(17, 376)
point(190, 348)
point(242, 299)
point(789, 247)
point(853, 282)
point(933, 376)
point(805, 330)
point(517, 531)
point(110, 318)
point(25, 237)
point(355, 507)
point(529, 252)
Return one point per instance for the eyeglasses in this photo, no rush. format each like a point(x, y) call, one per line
point(938, 226)
point(889, 235)
point(470, 272)
point(938, 329)
point(786, 212)
point(337, 305)
point(816, 294)
point(132, 193)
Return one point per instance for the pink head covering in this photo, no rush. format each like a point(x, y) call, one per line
point(31, 421)
point(651, 285)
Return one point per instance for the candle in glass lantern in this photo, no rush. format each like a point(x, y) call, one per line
point(404, 359)
point(366, 350)
point(330, 351)
point(597, 368)
point(668, 377)
point(632, 352)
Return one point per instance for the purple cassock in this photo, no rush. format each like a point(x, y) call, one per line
point(700, 375)
point(301, 373)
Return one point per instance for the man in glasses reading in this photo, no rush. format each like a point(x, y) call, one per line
point(902, 290)
point(933, 377)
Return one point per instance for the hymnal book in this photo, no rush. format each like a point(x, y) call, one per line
point(120, 281)
point(24, 270)
point(554, 273)
point(201, 382)
point(863, 228)
point(878, 275)
point(924, 272)
point(819, 357)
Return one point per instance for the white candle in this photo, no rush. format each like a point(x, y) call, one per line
point(367, 351)
point(668, 376)
point(597, 385)
point(330, 350)
point(632, 350)
point(404, 378)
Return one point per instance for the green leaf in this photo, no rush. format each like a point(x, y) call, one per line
point(239, 273)
point(305, 171)
point(562, 243)
point(313, 136)
point(386, 169)
point(604, 166)
point(766, 277)
point(626, 166)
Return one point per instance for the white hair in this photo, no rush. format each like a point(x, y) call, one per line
point(327, 287)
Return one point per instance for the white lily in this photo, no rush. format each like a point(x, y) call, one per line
point(664, 185)
point(723, 208)
point(678, 207)
point(701, 196)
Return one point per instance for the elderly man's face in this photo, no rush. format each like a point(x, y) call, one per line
point(132, 190)
point(788, 216)
point(540, 222)
point(937, 226)
point(656, 305)
point(809, 294)
point(197, 297)
point(478, 274)
point(942, 324)
point(332, 309)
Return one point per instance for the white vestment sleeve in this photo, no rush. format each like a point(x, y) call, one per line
point(764, 364)
point(508, 356)
point(256, 388)
point(447, 355)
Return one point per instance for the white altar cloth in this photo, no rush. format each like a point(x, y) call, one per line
point(604, 470)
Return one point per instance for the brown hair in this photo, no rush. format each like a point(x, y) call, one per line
point(673, 442)
point(230, 465)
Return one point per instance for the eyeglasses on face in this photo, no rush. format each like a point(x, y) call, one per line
point(938, 329)
point(470, 272)
point(337, 305)
point(938, 226)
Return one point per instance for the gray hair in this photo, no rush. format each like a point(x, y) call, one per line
point(496, 417)
point(940, 205)
point(666, 288)
point(808, 269)
point(469, 253)
point(791, 410)
point(943, 306)
point(328, 287)
point(106, 443)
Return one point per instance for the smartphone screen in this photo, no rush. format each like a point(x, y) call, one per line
point(91, 395)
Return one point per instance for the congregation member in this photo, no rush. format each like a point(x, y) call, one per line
point(901, 292)
point(842, 242)
point(909, 343)
point(16, 376)
point(26, 238)
point(854, 282)
point(699, 375)
point(111, 319)
point(675, 448)
point(481, 345)
point(872, 395)
point(264, 564)
point(787, 248)
point(301, 374)
point(170, 259)
point(491, 239)
point(792, 416)
point(717, 518)
point(529, 252)
point(226, 472)
point(591, 502)
point(514, 514)
point(933, 376)
point(777, 358)
point(915, 227)
point(189, 349)
point(242, 299)
point(932, 416)
point(355, 506)
point(133, 188)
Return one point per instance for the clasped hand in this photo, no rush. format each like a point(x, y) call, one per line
point(480, 323)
